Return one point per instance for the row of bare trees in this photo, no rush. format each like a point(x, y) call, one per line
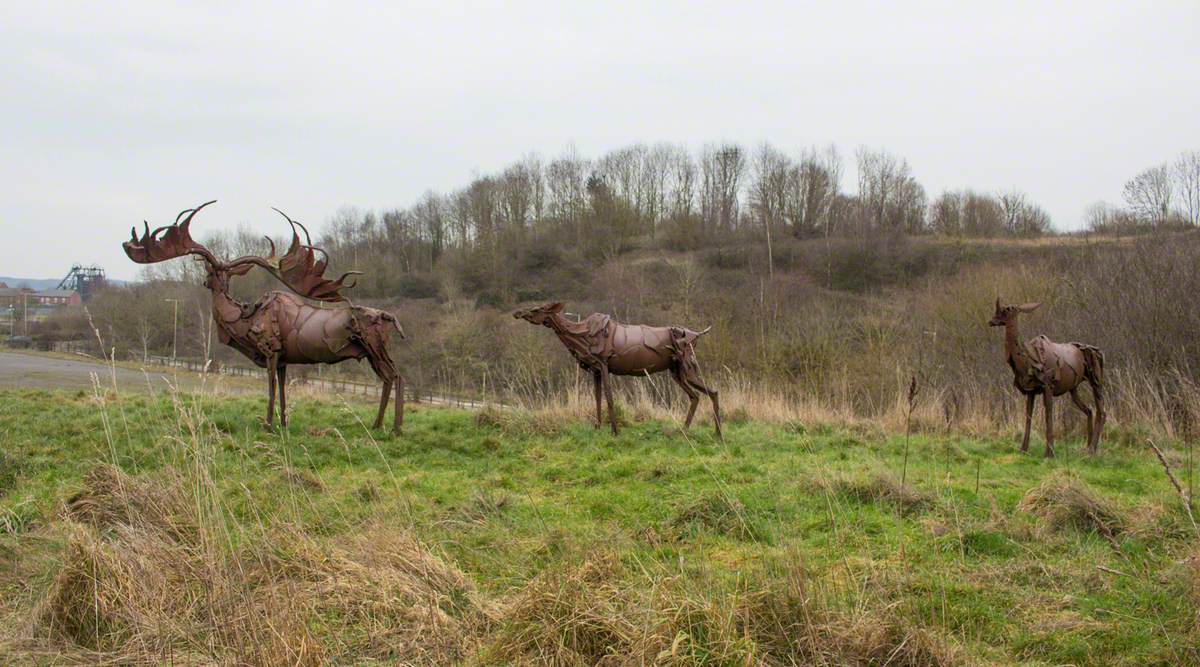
point(970, 213)
point(540, 215)
point(1163, 196)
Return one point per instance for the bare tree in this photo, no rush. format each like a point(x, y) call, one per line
point(721, 170)
point(773, 177)
point(682, 184)
point(945, 213)
point(1104, 218)
point(888, 193)
point(1187, 184)
point(431, 216)
point(1149, 194)
point(566, 186)
point(1021, 216)
point(816, 182)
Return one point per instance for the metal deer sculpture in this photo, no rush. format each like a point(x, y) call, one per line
point(606, 347)
point(1041, 366)
point(280, 329)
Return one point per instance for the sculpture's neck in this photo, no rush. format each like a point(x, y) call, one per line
point(226, 309)
point(564, 327)
point(572, 334)
point(1012, 344)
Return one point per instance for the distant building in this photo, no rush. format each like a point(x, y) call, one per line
point(10, 296)
point(57, 297)
point(13, 296)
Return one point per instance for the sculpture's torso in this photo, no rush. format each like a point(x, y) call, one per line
point(281, 325)
point(1041, 364)
point(627, 349)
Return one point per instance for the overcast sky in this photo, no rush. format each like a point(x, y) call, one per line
point(110, 114)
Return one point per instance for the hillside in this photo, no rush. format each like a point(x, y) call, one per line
point(136, 529)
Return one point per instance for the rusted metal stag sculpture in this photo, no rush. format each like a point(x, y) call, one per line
point(1041, 366)
point(281, 329)
point(606, 347)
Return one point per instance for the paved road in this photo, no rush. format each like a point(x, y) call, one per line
point(35, 371)
point(31, 371)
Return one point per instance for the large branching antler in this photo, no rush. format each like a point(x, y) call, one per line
point(300, 268)
point(168, 241)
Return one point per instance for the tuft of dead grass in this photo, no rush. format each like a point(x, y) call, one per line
point(593, 610)
point(303, 479)
point(574, 614)
point(523, 423)
point(794, 622)
point(110, 497)
point(880, 486)
point(718, 513)
point(381, 594)
point(143, 579)
point(1063, 501)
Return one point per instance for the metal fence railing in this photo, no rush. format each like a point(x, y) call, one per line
point(332, 383)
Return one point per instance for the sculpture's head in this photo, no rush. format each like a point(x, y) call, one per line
point(539, 314)
point(218, 275)
point(1007, 314)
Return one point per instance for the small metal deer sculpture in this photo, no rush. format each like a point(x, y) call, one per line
point(606, 347)
point(280, 329)
point(1041, 366)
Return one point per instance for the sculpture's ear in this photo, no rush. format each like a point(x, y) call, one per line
point(1029, 307)
point(555, 307)
point(997, 305)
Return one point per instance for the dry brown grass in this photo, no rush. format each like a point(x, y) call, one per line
point(144, 578)
point(519, 422)
point(1062, 501)
point(718, 513)
point(596, 611)
point(148, 577)
point(880, 486)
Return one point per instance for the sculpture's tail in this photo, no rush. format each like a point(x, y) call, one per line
point(687, 337)
point(1093, 362)
point(395, 322)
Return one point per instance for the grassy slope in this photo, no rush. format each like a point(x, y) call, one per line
point(508, 497)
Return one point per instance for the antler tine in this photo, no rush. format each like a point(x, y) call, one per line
point(307, 238)
point(285, 215)
point(188, 220)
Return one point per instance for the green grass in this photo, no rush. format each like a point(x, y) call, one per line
point(509, 497)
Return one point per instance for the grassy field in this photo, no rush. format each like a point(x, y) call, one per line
point(141, 529)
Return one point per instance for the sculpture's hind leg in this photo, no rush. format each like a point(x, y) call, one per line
point(692, 394)
point(382, 364)
point(716, 403)
point(398, 418)
point(606, 380)
point(692, 378)
point(596, 390)
point(384, 394)
point(272, 375)
point(1101, 415)
point(283, 395)
point(1048, 405)
point(1087, 412)
point(1029, 398)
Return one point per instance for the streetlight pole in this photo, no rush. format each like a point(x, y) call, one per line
point(174, 328)
point(25, 311)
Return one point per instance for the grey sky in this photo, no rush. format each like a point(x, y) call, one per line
point(113, 114)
